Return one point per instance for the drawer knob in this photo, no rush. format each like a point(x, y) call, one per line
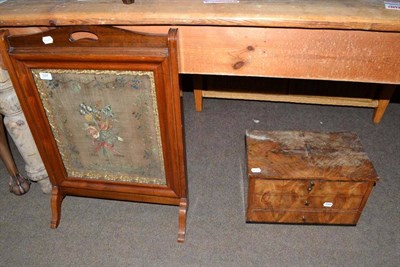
point(311, 186)
point(303, 218)
point(307, 203)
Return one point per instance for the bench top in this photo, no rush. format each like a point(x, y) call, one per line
point(332, 14)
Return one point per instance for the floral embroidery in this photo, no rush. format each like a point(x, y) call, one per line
point(135, 84)
point(99, 128)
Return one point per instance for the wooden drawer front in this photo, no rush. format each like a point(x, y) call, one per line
point(303, 217)
point(310, 188)
point(272, 201)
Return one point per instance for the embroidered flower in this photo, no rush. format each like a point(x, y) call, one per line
point(93, 132)
point(98, 126)
point(89, 117)
point(104, 125)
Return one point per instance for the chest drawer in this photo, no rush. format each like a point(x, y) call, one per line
point(275, 201)
point(310, 187)
point(301, 217)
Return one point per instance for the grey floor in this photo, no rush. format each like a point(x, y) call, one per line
point(97, 232)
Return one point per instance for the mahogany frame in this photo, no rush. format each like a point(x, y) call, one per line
point(114, 49)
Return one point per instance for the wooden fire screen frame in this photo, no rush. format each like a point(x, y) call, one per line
point(103, 105)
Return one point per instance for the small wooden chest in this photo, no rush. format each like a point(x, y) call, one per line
point(307, 177)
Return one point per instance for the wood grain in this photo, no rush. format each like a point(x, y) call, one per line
point(276, 201)
point(308, 155)
point(300, 187)
point(291, 53)
point(335, 14)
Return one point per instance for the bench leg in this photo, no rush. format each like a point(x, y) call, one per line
point(198, 92)
point(385, 94)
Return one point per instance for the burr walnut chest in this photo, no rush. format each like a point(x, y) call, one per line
point(307, 177)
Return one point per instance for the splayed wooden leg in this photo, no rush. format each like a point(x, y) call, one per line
point(56, 200)
point(183, 206)
point(386, 93)
point(198, 92)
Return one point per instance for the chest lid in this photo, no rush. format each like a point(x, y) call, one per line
point(335, 156)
